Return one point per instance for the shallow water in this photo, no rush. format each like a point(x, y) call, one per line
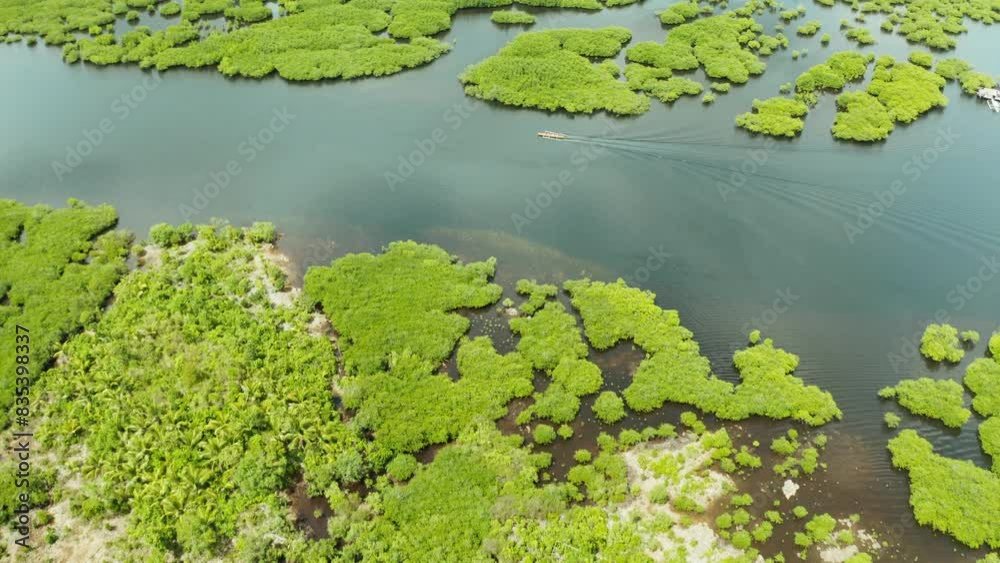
point(847, 305)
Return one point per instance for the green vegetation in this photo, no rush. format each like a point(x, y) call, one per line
point(57, 268)
point(233, 401)
point(544, 434)
point(973, 81)
point(511, 17)
point(809, 29)
point(860, 35)
point(675, 371)
point(53, 20)
point(861, 117)
point(679, 13)
point(989, 437)
point(708, 98)
point(922, 58)
point(333, 41)
point(949, 494)
point(777, 117)
point(983, 378)
point(825, 39)
point(718, 44)
point(938, 399)
point(399, 302)
point(609, 407)
point(908, 91)
point(940, 343)
point(170, 9)
point(970, 337)
point(892, 420)
point(832, 75)
point(550, 70)
point(537, 294)
point(952, 68)
point(649, 80)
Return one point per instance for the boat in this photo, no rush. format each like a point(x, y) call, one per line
point(551, 135)
point(994, 105)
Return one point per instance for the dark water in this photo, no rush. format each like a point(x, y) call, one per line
point(776, 239)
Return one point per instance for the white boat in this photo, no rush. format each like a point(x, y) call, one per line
point(994, 105)
point(551, 135)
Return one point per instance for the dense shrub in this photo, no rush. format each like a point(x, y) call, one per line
point(544, 434)
point(511, 17)
point(982, 377)
point(537, 294)
point(952, 496)
point(938, 399)
point(400, 300)
point(940, 342)
point(861, 117)
point(233, 401)
point(675, 371)
point(332, 41)
point(809, 28)
point(905, 89)
point(549, 70)
point(609, 407)
point(54, 281)
point(777, 117)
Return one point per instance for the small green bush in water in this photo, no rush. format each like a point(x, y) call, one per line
point(892, 420)
point(511, 17)
point(940, 343)
point(544, 434)
point(609, 407)
point(777, 117)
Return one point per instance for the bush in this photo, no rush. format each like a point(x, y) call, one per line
point(509, 17)
point(940, 342)
point(260, 233)
point(544, 434)
point(892, 420)
point(983, 378)
point(777, 117)
point(402, 467)
point(921, 58)
point(167, 236)
point(970, 337)
point(582, 456)
point(938, 399)
point(948, 494)
point(170, 9)
point(861, 117)
point(609, 407)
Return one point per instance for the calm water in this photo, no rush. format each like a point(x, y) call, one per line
point(322, 179)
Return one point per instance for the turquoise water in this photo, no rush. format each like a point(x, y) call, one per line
point(651, 182)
